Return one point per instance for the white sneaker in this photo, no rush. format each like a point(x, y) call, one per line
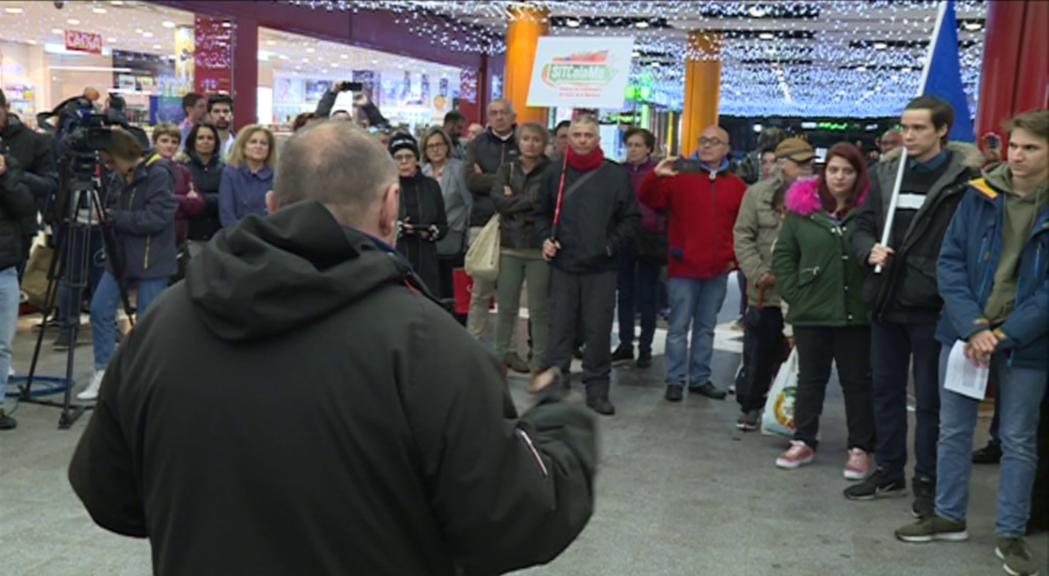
point(91, 392)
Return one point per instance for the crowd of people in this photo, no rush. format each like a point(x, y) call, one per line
point(878, 278)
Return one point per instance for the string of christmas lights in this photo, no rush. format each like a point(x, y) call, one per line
point(861, 59)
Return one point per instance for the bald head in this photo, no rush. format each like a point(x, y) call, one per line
point(713, 145)
point(338, 165)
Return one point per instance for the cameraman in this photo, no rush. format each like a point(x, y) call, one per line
point(34, 154)
point(141, 209)
point(17, 214)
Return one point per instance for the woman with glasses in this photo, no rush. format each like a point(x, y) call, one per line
point(448, 172)
point(422, 221)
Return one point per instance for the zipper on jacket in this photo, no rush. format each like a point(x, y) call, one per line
point(149, 243)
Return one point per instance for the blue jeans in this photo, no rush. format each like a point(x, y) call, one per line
point(695, 302)
point(638, 284)
point(1020, 391)
point(104, 313)
point(9, 296)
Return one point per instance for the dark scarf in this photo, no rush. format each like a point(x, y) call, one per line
point(586, 162)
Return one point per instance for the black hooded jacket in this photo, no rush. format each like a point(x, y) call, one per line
point(35, 155)
point(300, 406)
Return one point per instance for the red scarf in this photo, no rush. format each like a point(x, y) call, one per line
point(585, 162)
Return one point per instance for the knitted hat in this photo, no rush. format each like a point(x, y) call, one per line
point(796, 149)
point(401, 141)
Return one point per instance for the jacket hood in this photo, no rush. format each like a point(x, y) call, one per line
point(1000, 178)
point(969, 154)
point(803, 197)
point(264, 277)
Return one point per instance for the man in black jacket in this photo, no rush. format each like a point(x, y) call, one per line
point(333, 419)
point(587, 213)
point(34, 154)
point(17, 214)
point(904, 298)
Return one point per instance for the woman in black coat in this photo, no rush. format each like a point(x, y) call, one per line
point(422, 221)
point(204, 160)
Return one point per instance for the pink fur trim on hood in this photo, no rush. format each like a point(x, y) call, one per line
point(803, 197)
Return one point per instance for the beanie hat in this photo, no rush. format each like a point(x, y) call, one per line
point(400, 141)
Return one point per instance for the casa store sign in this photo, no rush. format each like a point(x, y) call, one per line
point(83, 42)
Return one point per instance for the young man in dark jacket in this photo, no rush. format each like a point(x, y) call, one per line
point(904, 299)
point(587, 214)
point(333, 419)
point(484, 156)
point(34, 154)
point(17, 213)
point(702, 204)
point(141, 207)
point(994, 278)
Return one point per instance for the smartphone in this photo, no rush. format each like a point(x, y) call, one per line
point(992, 141)
point(351, 87)
point(687, 165)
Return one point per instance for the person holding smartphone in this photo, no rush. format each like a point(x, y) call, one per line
point(421, 221)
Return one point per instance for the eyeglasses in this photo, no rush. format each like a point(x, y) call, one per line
point(435, 146)
point(404, 158)
point(710, 142)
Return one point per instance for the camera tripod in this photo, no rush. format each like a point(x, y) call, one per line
point(70, 268)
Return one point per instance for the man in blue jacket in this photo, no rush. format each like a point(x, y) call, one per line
point(994, 278)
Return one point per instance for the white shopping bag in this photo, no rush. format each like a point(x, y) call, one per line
point(482, 259)
point(777, 418)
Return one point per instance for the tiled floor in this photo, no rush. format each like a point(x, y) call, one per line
point(680, 492)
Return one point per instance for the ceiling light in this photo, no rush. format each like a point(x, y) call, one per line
point(305, 60)
point(344, 56)
point(972, 26)
point(117, 2)
point(138, 30)
point(282, 57)
point(73, 22)
point(375, 61)
point(861, 68)
point(99, 10)
point(572, 23)
point(757, 12)
point(311, 50)
point(271, 42)
point(13, 10)
point(167, 24)
point(111, 40)
point(880, 45)
point(767, 36)
point(147, 34)
point(227, 24)
point(57, 31)
point(641, 24)
point(33, 42)
point(156, 46)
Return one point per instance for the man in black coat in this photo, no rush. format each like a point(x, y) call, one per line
point(333, 419)
point(587, 213)
point(35, 156)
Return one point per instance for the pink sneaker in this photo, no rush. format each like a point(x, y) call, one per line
point(799, 454)
point(858, 464)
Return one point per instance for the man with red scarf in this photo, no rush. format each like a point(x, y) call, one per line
point(587, 211)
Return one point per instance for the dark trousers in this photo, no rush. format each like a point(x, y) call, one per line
point(591, 297)
point(849, 349)
point(741, 282)
point(894, 347)
point(638, 283)
point(445, 266)
point(762, 355)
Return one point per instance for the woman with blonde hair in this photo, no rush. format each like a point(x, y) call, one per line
point(248, 175)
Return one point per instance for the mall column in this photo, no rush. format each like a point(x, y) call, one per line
point(1014, 77)
point(245, 72)
point(522, 38)
point(702, 88)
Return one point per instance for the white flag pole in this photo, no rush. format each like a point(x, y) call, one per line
point(891, 214)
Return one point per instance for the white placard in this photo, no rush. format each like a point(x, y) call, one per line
point(580, 72)
point(964, 377)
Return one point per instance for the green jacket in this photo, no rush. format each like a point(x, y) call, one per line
point(756, 230)
point(815, 271)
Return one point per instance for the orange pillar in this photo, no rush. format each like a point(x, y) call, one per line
point(702, 87)
point(522, 38)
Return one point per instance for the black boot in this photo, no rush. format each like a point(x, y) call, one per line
point(597, 399)
point(623, 353)
point(989, 454)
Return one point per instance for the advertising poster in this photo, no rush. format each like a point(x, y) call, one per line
point(580, 72)
point(184, 59)
point(213, 55)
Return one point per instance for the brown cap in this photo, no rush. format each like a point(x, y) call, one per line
point(796, 149)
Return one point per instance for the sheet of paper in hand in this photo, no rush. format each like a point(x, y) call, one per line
point(963, 377)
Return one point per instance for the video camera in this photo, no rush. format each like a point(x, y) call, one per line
point(84, 130)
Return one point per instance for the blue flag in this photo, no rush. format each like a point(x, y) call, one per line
point(944, 77)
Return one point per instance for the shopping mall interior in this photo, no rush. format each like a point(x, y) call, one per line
point(679, 489)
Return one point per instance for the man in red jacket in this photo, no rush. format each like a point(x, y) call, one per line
point(701, 199)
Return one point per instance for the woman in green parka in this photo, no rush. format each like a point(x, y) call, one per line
point(820, 281)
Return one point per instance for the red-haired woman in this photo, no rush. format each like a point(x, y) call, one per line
point(821, 282)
